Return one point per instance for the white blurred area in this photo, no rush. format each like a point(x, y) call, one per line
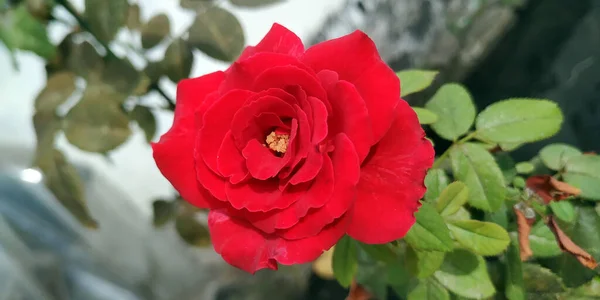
point(131, 166)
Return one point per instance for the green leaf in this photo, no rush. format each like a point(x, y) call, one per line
point(82, 59)
point(217, 33)
point(430, 231)
point(97, 123)
point(20, 30)
point(525, 167)
point(164, 211)
point(477, 168)
point(428, 289)
point(507, 165)
point(483, 238)
point(455, 109)
point(344, 261)
point(65, 183)
point(541, 280)
point(555, 156)
point(133, 17)
point(465, 274)
point(423, 264)
point(156, 30)
point(46, 124)
point(435, 181)
point(119, 74)
point(192, 231)
point(398, 277)
point(519, 121)
point(542, 241)
point(413, 81)
point(105, 18)
point(178, 60)
point(452, 199)
point(514, 286)
point(146, 120)
point(584, 172)
point(58, 89)
point(564, 210)
point(461, 214)
point(381, 252)
point(499, 217)
point(425, 116)
point(373, 277)
point(519, 182)
point(254, 3)
point(584, 232)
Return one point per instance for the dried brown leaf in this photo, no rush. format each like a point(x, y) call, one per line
point(566, 244)
point(358, 292)
point(548, 188)
point(524, 229)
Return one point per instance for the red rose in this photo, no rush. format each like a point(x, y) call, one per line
point(292, 149)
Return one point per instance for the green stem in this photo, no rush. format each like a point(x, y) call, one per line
point(444, 155)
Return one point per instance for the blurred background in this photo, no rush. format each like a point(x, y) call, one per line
point(85, 213)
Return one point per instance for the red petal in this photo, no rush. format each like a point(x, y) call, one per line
point(230, 162)
point(350, 116)
point(261, 162)
point(346, 173)
point(310, 195)
point(278, 40)
point(355, 58)
point(246, 248)
point(173, 153)
point(216, 123)
point(319, 121)
point(241, 74)
point(391, 181)
point(289, 76)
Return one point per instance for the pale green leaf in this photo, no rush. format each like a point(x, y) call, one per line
point(425, 116)
point(58, 89)
point(254, 3)
point(155, 30)
point(542, 241)
point(217, 33)
point(584, 172)
point(563, 210)
point(413, 81)
point(97, 123)
point(483, 238)
point(452, 198)
point(430, 231)
point(455, 109)
point(519, 121)
point(555, 156)
point(477, 168)
point(21, 30)
point(146, 120)
point(465, 274)
point(106, 17)
point(178, 60)
point(524, 167)
point(435, 181)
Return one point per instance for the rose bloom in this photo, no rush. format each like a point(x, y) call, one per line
point(291, 149)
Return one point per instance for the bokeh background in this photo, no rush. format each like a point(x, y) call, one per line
point(496, 48)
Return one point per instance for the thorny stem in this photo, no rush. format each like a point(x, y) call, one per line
point(444, 155)
point(85, 26)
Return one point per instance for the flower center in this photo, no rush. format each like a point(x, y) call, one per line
point(278, 142)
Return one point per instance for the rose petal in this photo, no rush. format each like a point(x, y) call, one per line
point(230, 161)
point(392, 181)
point(350, 116)
point(346, 173)
point(242, 74)
point(173, 153)
point(278, 40)
point(360, 64)
point(217, 121)
point(319, 120)
point(261, 161)
point(310, 195)
point(289, 76)
point(246, 248)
